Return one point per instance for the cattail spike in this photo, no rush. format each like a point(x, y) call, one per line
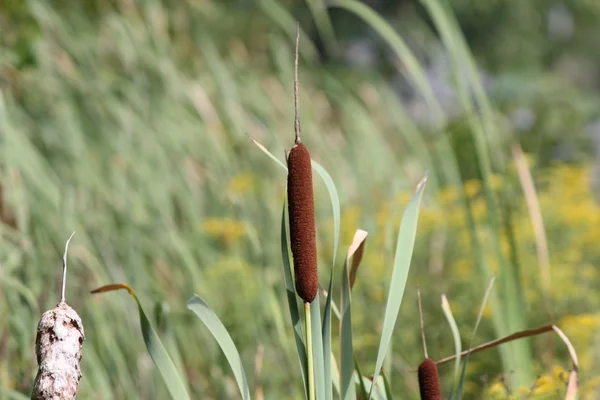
point(302, 222)
point(301, 207)
point(429, 381)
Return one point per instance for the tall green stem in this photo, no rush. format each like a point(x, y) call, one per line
point(309, 351)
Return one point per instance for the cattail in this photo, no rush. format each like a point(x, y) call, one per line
point(58, 347)
point(302, 210)
point(429, 381)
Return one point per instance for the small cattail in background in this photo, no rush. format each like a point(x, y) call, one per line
point(302, 210)
point(429, 380)
point(58, 347)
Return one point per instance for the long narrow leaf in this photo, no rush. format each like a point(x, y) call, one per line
point(464, 367)
point(335, 205)
point(573, 384)
point(455, 333)
point(292, 303)
point(414, 70)
point(404, 249)
point(317, 342)
point(219, 332)
point(347, 361)
point(347, 386)
point(155, 348)
point(361, 380)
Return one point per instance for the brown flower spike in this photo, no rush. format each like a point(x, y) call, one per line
point(301, 210)
point(429, 381)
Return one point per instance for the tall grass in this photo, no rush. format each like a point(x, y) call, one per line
point(131, 127)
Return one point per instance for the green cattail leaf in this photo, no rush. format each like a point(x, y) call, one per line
point(404, 250)
point(335, 204)
point(347, 385)
point(347, 361)
point(461, 381)
point(320, 15)
point(388, 388)
point(573, 383)
point(219, 332)
point(282, 17)
point(268, 153)
point(414, 71)
point(317, 350)
point(379, 392)
point(455, 336)
point(155, 348)
point(361, 380)
point(292, 302)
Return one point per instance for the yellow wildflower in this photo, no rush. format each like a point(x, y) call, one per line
point(226, 229)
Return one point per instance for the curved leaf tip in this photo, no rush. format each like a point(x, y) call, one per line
point(112, 287)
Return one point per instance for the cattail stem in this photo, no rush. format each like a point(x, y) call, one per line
point(309, 353)
point(296, 106)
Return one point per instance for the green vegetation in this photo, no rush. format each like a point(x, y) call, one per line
point(129, 123)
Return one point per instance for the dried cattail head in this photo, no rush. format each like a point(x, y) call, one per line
point(429, 381)
point(58, 347)
point(302, 209)
point(302, 222)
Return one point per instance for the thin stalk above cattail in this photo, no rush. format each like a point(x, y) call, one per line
point(429, 380)
point(301, 209)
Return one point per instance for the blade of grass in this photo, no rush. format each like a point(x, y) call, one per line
point(281, 17)
point(413, 68)
point(347, 386)
point(404, 248)
point(537, 221)
point(326, 334)
point(347, 361)
point(155, 347)
point(219, 332)
point(268, 153)
point(361, 380)
point(310, 352)
point(388, 388)
point(455, 333)
point(573, 384)
point(324, 26)
point(292, 302)
point(317, 348)
point(459, 390)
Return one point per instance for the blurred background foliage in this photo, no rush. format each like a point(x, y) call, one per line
point(128, 122)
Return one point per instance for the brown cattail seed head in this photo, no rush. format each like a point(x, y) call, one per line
point(58, 346)
point(429, 381)
point(302, 222)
